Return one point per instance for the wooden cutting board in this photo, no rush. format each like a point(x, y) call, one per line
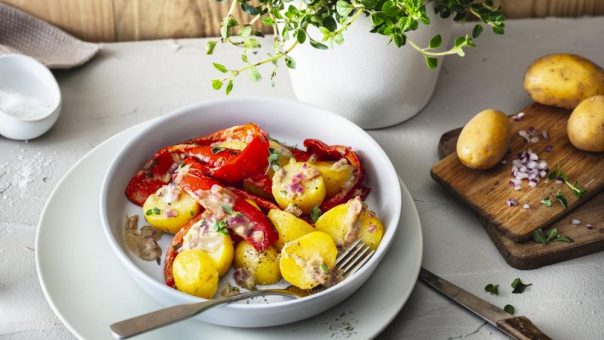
point(487, 191)
point(530, 255)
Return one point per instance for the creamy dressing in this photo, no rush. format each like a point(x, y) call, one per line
point(244, 278)
point(313, 268)
point(294, 210)
point(351, 223)
point(143, 242)
point(214, 200)
point(295, 186)
point(201, 236)
point(169, 193)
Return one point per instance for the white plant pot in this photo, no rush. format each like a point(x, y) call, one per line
point(367, 80)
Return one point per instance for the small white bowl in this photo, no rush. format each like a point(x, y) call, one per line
point(24, 75)
point(285, 120)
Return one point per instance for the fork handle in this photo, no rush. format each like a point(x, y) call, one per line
point(162, 317)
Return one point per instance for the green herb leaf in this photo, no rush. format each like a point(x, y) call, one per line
point(519, 286)
point(220, 67)
point(344, 8)
point(149, 212)
point(249, 9)
point(217, 149)
point(539, 236)
point(552, 235)
point(324, 268)
point(227, 209)
point(562, 200)
point(491, 288)
point(220, 227)
point(317, 44)
point(330, 23)
point(255, 74)
point(509, 309)
point(268, 21)
point(435, 41)
point(290, 62)
point(546, 201)
point(315, 213)
point(576, 189)
point(216, 84)
point(300, 36)
point(229, 87)
point(476, 31)
point(210, 46)
point(273, 159)
point(432, 63)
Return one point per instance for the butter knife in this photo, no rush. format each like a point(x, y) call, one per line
point(517, 327)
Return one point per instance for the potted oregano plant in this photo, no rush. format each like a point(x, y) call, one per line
point(345, 55)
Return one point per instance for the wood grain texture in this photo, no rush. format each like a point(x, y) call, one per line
point(85, 19)
point(487, 191)
point(124, 20)
point(530, 255)
point(521, 328)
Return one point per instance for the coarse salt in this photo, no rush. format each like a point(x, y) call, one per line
point(21, 105)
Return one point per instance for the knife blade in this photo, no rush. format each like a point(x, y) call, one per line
point(517, 327)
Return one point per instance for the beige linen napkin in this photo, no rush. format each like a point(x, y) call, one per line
point(24, 34)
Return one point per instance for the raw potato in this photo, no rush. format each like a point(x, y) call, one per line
point(305, 262)
point(563, 80)
point(264, 265)
point(298, 176)
point(484, 140)
point(184, 208)
point(336, 176)
point(288, 226)
point(586, 125)
point(195, 273)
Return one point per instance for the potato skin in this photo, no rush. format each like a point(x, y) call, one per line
point(563, 80)
point(335, 178)
point(484, 140)
point(264, 265)
point(288, 226)
point(312, 190)
point(195, 273)
point(586, 125)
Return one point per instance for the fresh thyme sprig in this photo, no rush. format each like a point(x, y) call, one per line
point(558, 174)
point(290, 24)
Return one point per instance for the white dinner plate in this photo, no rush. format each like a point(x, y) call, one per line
point(89, 289)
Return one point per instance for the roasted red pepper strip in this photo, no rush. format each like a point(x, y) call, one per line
point(260, 185)
point(334, 153)
point(175, 245)
point(264, 204)
point(238, 132)
point(153, 176)
point(191, 177)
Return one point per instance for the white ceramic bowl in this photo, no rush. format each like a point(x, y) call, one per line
point(288, 121)
point(27, 76)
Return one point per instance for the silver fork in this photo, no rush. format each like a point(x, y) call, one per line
point(347, 263)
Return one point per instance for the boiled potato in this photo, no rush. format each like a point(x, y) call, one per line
point(337, 175)
point(169, 209)
point(264, 265)
point(298, 184)
point(586, 125)
point(195, 273)
point(371, 229)
point(341, 222)
point(563, 80)
point(307, 261)
point(222, 254)
point(484, 140)
point(288, 226)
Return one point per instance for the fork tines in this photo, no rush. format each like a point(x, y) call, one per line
point(353, 258)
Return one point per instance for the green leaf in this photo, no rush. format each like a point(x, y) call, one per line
point(244, 58)
point(227, 209)
point(217, 149)
point(377, 19)
point(255, 74)
point(300, 36)
point(245, 31)
point(436, 41)
point(317, 44)
point(315, 213)
point(229, 87)
point(399, 40)
point(210, 46)
point(344, 8)
point(491, 288)
point(330, 23)
point(268, 21)
point(220, 67)
point(476, 31)
point(249, 9)
point(562, 200)
point(216, 84)
point(324, 268)
point(432, 63)
point(221, 227)
point(551, 234)
point(339, 38)
point(519, 286)
point(290, 62)
point(547, 201)
point(460, 41)
point(565, 239)
point(156, 211)
point(539, 236)
point(509, 309)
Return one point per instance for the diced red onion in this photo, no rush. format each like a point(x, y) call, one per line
point(544, 134)
point(504, 162)
point(589, 226)
point(575, 221)
point(532, 131)
point(526, 206)
point(523, 134)
point(518, 117)
point(549, 148)
point(511, 202)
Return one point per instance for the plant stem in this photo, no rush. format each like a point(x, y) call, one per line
point(427, 53)
point(277, 56)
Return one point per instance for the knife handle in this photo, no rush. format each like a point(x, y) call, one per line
point(521, 328)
